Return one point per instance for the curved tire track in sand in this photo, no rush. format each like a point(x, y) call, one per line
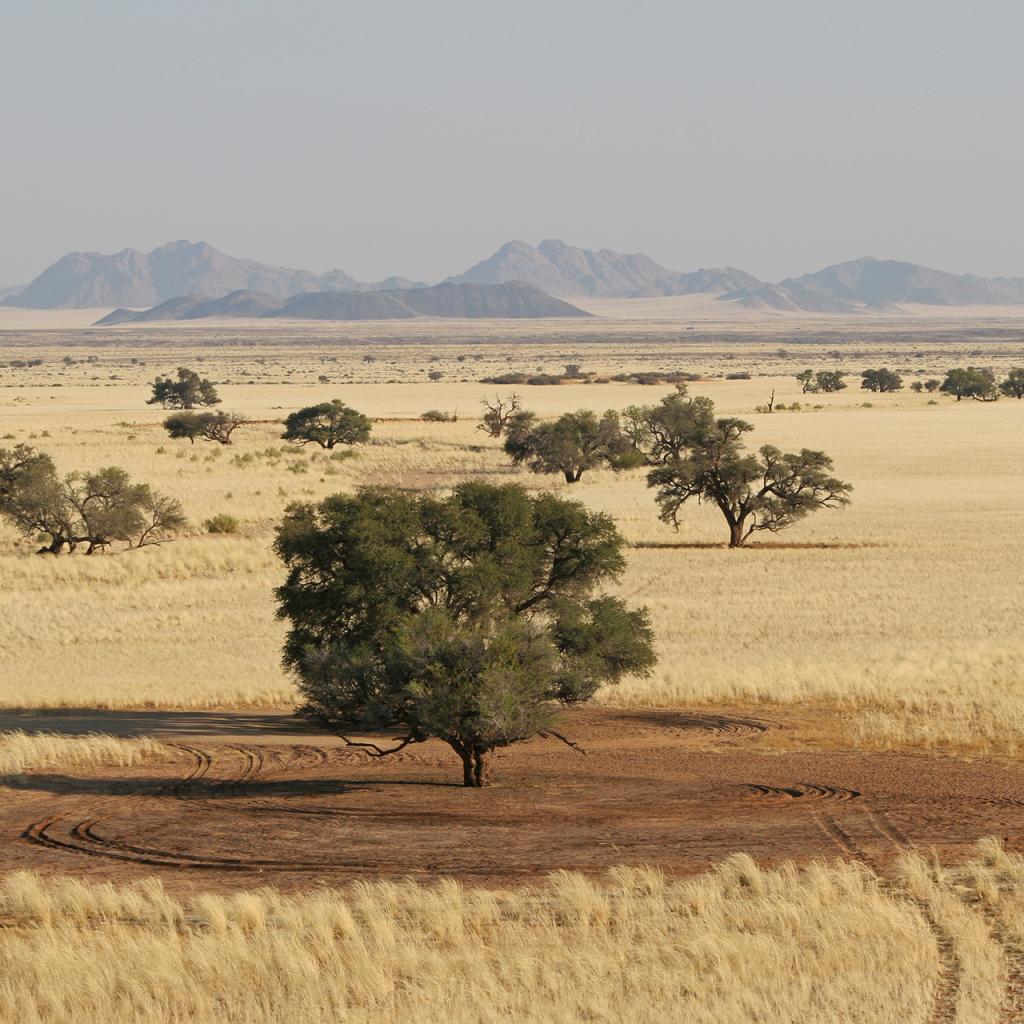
point(807, 791)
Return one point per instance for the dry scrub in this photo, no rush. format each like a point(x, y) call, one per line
point(25, 752)
point(824, 943)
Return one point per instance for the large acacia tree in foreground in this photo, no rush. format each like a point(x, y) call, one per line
point(696, 455)
point(471, 618)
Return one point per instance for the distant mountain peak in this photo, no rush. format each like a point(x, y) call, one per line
point(873, 284)
point(566, 270)
point(131, 278)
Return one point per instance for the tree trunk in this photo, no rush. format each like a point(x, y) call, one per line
point(572, 476)
point(736, 537)
point(482, 769)
point(475, 765)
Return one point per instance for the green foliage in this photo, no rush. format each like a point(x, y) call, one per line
point(971, 382)
point(570, 445)
point(438, 416)
point(829, 381)
point(1013, 386)
point(881, 380)
point(221, 523)
point(211, 426)
point(327, 424)
point(185, 391)
point(82, 508)
point(470, 618)
point(695, 455)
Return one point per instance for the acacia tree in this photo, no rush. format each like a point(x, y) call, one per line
point(570, 445)
point(1013, 386)
point(698, 456)
point(806, 380)
point(498, 413)
point(881, 380)
point(471, 618)
point(185, 391)
point(211, 426)
point(973, 382)
point(829, 381)
point(327, 424)
point(93, 509)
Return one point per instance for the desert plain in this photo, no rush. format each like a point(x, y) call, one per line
point(820, 780)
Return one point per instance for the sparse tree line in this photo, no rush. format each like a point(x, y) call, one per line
point(327, 424)
point(975, 382)
point(690, 454)
point(91, 510)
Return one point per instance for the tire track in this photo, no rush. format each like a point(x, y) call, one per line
point(944, 1004)
point(802, 791)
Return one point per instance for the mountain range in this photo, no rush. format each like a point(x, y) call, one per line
point(133, 278)
point(871, 284)
point(512, 300)
point(194, 274)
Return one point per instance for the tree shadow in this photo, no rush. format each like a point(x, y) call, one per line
point(187, 791)
point(166, 724)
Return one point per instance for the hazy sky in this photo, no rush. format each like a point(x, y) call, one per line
point(414, 136)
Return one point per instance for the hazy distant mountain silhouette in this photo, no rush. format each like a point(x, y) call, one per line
point(513, 300)
point(562, 269)
point(201, 274)
point(133, 278)
point(870, 283)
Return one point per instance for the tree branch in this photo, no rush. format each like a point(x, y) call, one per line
point(376, 751)
point(565, 739)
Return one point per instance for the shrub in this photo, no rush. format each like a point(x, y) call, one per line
point(221, 523)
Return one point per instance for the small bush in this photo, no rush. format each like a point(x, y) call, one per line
point(221, 523)
point(738, 376)
point(437, 416)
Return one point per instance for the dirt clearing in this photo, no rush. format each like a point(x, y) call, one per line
point(252, 798)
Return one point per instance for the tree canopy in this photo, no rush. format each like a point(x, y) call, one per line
point(570, 445)
point(211, 426)
point(971, 382)
point(471, 618)
point(327, 424)
point(881, 380)
point(1013, 385)
point(93, 508)
point(185, 391)
point(823, 380)
point(695, 455)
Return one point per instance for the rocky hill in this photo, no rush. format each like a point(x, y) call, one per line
point(450, 301)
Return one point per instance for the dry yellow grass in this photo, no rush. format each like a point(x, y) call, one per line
point(825, 943)
point(24, 752)
point(910, 627)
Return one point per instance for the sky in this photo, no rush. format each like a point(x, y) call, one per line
point(414, 138)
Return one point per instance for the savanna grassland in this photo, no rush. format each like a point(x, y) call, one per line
point(902, 612)
point(830, 706)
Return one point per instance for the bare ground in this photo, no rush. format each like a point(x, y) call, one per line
point(251, 797)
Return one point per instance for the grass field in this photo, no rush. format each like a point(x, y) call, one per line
point(902, 612)
point(895, 623)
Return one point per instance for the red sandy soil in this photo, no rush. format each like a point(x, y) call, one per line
point(253, 798)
